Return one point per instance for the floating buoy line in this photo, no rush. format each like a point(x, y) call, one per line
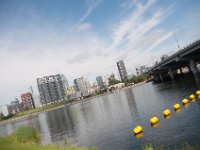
point(154, 121)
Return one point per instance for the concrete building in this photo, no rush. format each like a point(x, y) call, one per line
point(81, 86)
point(100, 82)
point(4, 109)
point(27, 101)
point(52, 88)
point(94, 88)
point(72, 93)
point(122, 70)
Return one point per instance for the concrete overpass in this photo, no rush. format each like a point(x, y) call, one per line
point(189, 57)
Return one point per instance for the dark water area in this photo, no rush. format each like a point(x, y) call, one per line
point(108, 121)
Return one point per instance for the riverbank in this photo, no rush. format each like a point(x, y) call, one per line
point(31, 113)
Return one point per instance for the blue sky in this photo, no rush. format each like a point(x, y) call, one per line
point(87, 37)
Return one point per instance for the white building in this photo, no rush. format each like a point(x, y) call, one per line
point(52, 88)
point(117, 86)
point(4, 110)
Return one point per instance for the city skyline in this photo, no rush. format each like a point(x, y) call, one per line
point(44, 38)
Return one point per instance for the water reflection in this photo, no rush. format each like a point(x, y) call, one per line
point(131, 102)
point(139, 135)
point(168, 117)
point(155, 125)
point(44, 128)
point(197, 79)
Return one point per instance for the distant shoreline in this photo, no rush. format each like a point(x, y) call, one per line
point(21, 118)
point(107, 93)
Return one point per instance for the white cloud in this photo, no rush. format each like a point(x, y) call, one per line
point(128, 24)
point(91, 5)
point(84, 27)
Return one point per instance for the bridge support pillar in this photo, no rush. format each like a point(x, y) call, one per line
point(181, 71)
point(193, 67)
point(161, 77)
point(171, 74)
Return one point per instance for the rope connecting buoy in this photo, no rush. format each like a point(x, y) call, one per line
point(166, 112)
point(185, 101)
point(177, 106)
point(192, 96)
point(198, 92)
point(154, 120)
point(137, 129)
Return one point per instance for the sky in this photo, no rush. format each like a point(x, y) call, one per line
point(87, 37)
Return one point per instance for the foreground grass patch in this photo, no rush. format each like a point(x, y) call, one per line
point(27, 138)
point(26, 134)
point(184, 147)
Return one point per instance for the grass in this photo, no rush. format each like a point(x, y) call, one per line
point(27, 138)
point(26, 134)
point(184, 147)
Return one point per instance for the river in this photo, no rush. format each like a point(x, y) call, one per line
point(107, 121)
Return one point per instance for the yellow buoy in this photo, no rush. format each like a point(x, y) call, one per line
point(185, 101)
point(192, 96)
point(166, 112)
point(154, 120)
point(198, 92)
point(177, 106)
point(137, 129)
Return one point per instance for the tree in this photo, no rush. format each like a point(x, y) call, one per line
point(113, 82)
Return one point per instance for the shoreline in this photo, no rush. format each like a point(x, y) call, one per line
point(107, 93)
point(21, 118)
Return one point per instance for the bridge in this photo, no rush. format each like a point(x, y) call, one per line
point(188, 57)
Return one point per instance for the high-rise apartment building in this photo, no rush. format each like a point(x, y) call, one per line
point(100, 82)
point(122, 70)
point(81, 86)
point(52, 88)
point(27, 101)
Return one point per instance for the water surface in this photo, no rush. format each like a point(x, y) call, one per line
point(108, 121)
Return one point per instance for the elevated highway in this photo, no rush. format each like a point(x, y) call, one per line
point(189, 57)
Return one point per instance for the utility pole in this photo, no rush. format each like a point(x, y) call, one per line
point(31, 88)
point(176, 40)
